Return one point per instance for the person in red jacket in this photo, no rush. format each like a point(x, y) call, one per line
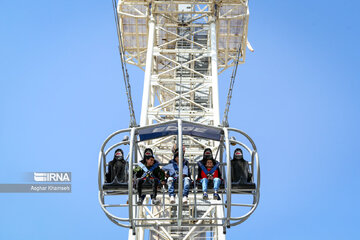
point(208, 172)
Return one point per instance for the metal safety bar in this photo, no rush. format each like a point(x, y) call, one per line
point(225, 141)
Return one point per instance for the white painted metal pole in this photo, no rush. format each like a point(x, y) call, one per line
point(220, 229)
point(228, 175)
point(180, 178)
point(130, 174)
point(214, 72)
point(148, 71)
point(131, 200)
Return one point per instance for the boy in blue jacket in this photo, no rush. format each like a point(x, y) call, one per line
point(172, 170)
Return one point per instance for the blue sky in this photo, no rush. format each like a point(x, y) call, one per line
point(61, 95)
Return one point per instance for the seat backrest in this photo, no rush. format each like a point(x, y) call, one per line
point(239, 171)
point(118, 169)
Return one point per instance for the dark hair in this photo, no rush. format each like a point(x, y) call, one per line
point(237, 150)
point(176, 152)
point(119, 150)
point(148, 153)
point(207, 150)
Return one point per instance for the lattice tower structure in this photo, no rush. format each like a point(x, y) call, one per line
point(182, 46)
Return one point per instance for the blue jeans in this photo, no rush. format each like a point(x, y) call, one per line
point(170, 183)
point(205, 181)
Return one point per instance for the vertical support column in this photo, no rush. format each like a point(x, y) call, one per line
point(220, 213)
point(228, 176)
point(180, 179)
point(131, 200)
point(152, 101)
point(220, 235)
point(214, 72)
point(130, 186)
point(148, 71)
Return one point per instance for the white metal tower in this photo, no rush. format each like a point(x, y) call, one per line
point(182, 46)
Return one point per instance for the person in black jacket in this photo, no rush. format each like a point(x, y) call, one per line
point(117, 168)
point(240, 172)
point(148, 170)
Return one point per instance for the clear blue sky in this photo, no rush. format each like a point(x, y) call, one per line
point(297, 96)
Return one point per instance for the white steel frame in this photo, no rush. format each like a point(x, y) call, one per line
point(182, 46)
point(213, 218)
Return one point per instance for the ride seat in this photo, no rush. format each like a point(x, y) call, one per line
point(116, 187)
point(242, 185)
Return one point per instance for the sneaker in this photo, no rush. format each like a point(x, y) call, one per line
point(140, 201)
point(185, 199)
point(205, 196)
point(155, 201)
point(172, 199)
point(216, 196)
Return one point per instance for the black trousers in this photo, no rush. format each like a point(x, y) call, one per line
point(153, 182)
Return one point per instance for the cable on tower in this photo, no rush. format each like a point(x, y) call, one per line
point(225, 121)
point(124, 69)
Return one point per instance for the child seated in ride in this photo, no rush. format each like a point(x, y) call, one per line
point(172, 171)
point(148, 171)
point(209, 171)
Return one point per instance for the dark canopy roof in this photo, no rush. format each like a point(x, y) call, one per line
point(188, 128)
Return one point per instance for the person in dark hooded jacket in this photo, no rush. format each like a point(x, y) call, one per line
point(117, 168)
point(240, 171)
point(148, 170)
